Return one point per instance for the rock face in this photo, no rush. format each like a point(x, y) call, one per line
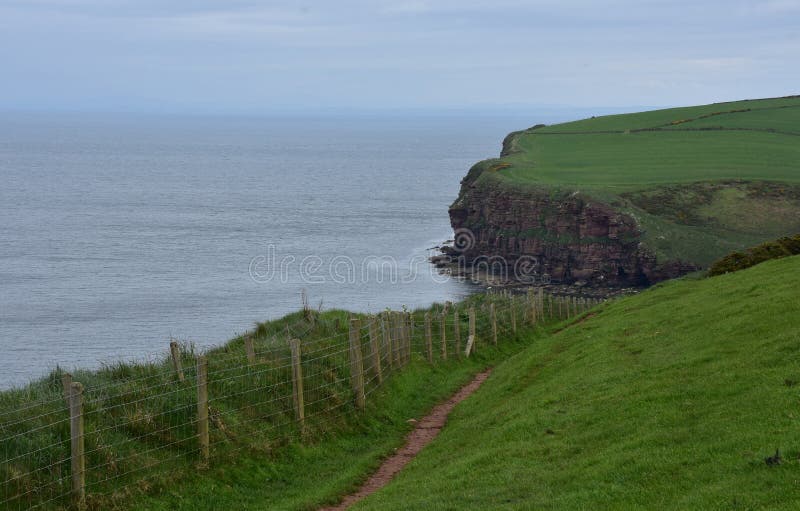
point(564, 237)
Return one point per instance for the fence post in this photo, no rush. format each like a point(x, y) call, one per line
point(297, 383)
point(402, 327)
point(428, 340)
point(471, 339)
point(175, 351)
point(493, 314)
point(472, 321)
point(457, 332)
point(375, 351)
point(389, 323)
point(202, 407)
point(77, 444)
point(66, 384)
point(443, 331)
point(399, 344)
point(250, 350)
point(408, 327)
point(387, 341)
point(513, 306)
point(356, 364)
point(541, 302)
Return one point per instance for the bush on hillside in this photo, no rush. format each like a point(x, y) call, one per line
point(736, 261)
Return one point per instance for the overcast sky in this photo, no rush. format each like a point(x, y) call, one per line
point(243, 55)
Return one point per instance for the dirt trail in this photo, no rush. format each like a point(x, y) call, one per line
point(425, 430)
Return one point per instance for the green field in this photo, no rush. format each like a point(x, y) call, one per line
point(699, 181)
point(678, 145)
point(671, 399)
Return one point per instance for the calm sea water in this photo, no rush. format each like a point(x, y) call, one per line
point(120, 232)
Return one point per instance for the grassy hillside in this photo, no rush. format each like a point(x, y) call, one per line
point(700, 181)
point(671, 399)
point(141, 440)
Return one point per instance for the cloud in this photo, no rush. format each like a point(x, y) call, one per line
point(380, 53)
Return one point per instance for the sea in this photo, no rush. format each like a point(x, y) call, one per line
point(120, 232)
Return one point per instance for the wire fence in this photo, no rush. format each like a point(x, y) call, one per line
point(95, 439)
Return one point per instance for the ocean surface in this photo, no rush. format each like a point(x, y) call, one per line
point(119, 232)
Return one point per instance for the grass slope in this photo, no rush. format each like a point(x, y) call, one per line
point(700, 181)
point(141, 436)
point(670, 399)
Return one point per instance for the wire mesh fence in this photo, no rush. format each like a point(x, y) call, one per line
point(90, 439)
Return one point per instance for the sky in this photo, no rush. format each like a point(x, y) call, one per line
point(262, 56)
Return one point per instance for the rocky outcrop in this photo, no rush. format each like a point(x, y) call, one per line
point(561, 236)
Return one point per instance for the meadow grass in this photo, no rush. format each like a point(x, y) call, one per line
point(669, 116)
point(670, 399)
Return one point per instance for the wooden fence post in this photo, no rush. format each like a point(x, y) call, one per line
point(472, 321)
point(408, 323)
point(428, 340)
point(202, 407)
point(493, 314)
point(471, 339)
point(387, 341)
point(175, 351)
point(457, 332)
point(405, 339)
point(77, 444)
point(393, 333)
point(250, 350)
point(541, 302)
point(356, 364)
point(443, 332)
point(66, 385)
point(401, 338)
point(513, 306)
point(297, 383)
point(375, 351)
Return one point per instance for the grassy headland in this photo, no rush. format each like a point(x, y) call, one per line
point(699, 182)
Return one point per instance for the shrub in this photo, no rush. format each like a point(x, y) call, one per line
point(752, 256)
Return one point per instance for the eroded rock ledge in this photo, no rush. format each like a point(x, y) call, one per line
point(569, 237)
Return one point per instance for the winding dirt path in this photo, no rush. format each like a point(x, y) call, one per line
point(425, 430)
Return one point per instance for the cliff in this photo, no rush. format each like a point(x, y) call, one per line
point(567, 237)
point(631, 200)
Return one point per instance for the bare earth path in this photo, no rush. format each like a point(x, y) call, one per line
point(426, 430)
